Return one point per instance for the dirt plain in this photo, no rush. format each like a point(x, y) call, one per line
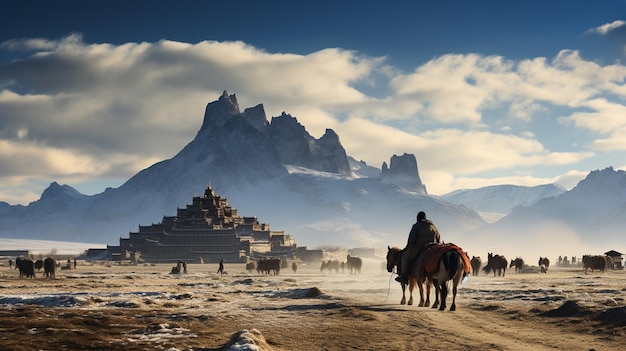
point(121, 307)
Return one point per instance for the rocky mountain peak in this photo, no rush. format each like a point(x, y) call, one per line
point(217, 112)
point(403, 171)
point(297, 147)
point(332, 154)
point(256, 117)
point(56, 191)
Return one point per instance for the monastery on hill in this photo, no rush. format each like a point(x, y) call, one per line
point(207, 230)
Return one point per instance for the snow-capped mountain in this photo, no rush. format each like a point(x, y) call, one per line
point(589, 219)
point(496, 201)
point(594, 208)
point(274, 170)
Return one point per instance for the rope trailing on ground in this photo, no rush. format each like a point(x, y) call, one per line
point(389, 287)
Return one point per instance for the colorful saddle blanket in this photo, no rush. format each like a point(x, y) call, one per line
point(434, 252)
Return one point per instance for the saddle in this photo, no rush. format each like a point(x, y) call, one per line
point(433, 254)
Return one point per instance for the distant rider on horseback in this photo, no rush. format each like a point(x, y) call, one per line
point(423, 232)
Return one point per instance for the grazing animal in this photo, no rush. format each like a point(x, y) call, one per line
point(416, 277)
point(269, 265)
point(495, 263)
point(17, 264)
point(476, 262)
point(330, 265)
point(595, 262)
point(294, 267)
point(49, 268)
point(38, 265)
point(544, 264)
point(26, 267)
point(451, 269)
point(354, 264)
point(518, 263)
point(250, 266)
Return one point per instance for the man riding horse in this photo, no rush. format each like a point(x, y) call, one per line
point(423, 232)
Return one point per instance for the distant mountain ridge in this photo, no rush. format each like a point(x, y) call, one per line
point(502, 199)
point(595, 208)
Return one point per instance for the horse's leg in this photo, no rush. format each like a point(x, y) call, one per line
point(421, 287)
point(411, 287)
point(454, 288)
point(457, 279)
point(437, 292)
point(427, 282)
point(444, 294)
point(403, 301)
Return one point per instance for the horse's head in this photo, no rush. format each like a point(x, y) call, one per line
point(393, 258)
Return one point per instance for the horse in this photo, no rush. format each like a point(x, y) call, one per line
point(518, 263)
point(451, 268)
point(415, 278)
point(354, 264)
point(476, 262)
point(496, 263)
point(544, 264)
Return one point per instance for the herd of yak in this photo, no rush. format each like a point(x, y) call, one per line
point(495, 263)
point(498, 264)
point(274, 265)
point(27, 267)
point(352, 263)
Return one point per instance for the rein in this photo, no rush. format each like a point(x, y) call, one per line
point(389, 284)
point(388, 287)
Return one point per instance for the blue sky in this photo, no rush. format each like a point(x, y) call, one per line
point(481, 92)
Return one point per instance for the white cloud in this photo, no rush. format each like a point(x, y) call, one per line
point(607, 27)
point(75, 111)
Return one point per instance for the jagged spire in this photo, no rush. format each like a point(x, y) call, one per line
point(218, 112)
point(209, 192)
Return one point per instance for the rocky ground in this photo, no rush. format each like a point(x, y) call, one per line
point(117, 307)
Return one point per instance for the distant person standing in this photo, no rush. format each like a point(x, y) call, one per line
point(221, 269)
